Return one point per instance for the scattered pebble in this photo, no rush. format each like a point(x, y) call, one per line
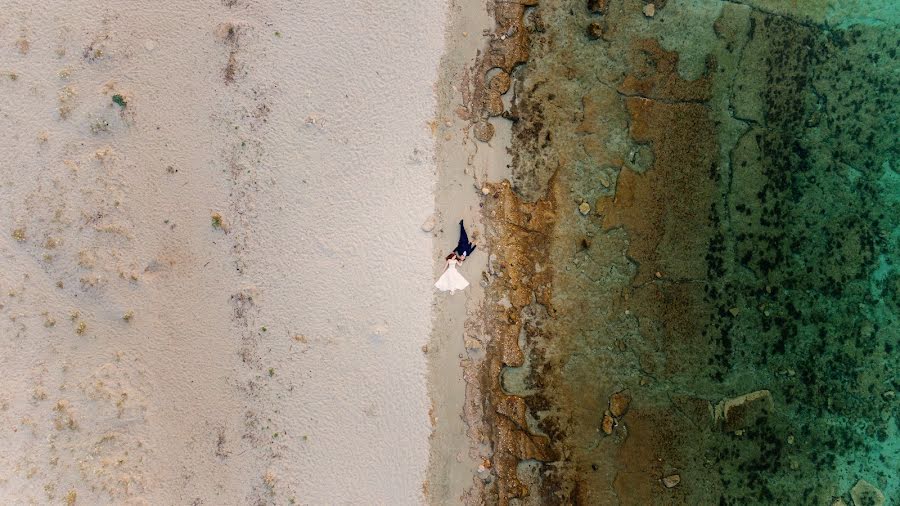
point(671, 481)
point(649, 10)
point(584, 208)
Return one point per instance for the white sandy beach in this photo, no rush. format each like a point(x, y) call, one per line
point(215, 285)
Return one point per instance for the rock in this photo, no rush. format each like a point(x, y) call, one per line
point(672, 480)
point(866, 494)
point(598, 6)
point(584, 208)
point(484, 131)
point(604, 179)
point(429, 223)
point(743, 411)
point(618, 403)
point(500, 83)
point(649, 10)
point(608, 423)
point(597, 30)
point(494, 103)
point(838, 502)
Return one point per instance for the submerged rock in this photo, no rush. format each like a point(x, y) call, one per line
point(598, 6)
point(608, 423)
point(866, 494)
point(484, 131)
point(618, 403)
point(597, 30)
point(671, 481)
point(741, 412)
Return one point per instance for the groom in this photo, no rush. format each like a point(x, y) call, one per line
point(464, 248)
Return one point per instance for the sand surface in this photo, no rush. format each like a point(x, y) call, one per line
point(464, 165)
point(215, 288)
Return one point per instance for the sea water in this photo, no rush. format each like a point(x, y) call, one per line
point(723, 326)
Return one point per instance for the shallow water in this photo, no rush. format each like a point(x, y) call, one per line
point(724, 179)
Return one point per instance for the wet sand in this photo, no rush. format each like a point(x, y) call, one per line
point(459, 338)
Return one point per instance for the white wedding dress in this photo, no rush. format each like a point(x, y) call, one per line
point(451, 279)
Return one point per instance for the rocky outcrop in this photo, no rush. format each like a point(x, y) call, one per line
point(743, 411)
point(506, 48)
point(517, 233)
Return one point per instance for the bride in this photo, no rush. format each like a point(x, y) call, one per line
point(451, 279)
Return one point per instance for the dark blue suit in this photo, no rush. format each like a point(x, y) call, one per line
point(464, 248)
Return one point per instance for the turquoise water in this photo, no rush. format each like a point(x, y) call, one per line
point(739, 161)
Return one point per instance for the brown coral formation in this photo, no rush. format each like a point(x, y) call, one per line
point(506, 48)
point(518, 232)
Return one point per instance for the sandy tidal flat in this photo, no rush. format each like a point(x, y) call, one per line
point(215, 287)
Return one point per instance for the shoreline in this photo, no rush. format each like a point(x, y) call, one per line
point(465, 166)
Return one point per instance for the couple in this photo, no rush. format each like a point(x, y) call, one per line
point(452, 280)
